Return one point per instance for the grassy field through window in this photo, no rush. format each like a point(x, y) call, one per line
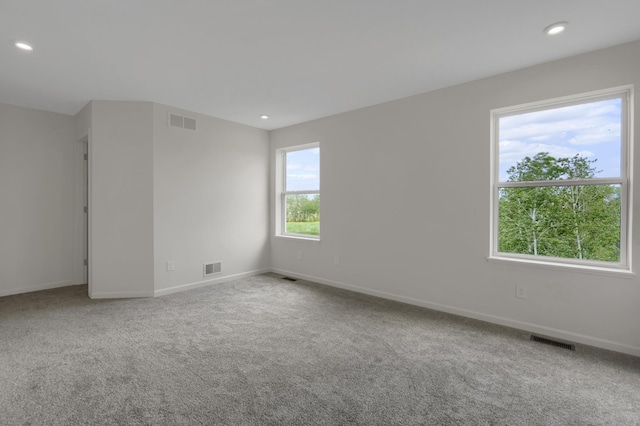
point(304, 228)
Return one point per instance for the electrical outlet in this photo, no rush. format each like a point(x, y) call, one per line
point(171, 266)
point(521, 291)
point(336, 260)
point(299, 254)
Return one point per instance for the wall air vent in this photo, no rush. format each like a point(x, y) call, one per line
point(176, 120)
point(182, 122)
point(189, 123)
point(212, 268)
point(551, 342)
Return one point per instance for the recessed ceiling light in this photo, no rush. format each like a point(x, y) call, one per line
point(264, 116)
point(22, 45)
point(556, 28)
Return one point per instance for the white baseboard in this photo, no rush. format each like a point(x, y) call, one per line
point(176, 289)
point(32, 288)
point(525, 326)
point(198, 284)
point(120, 294)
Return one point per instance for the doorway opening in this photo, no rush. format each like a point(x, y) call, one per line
point(82, 212)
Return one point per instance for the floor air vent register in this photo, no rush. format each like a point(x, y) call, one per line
point(553, 342)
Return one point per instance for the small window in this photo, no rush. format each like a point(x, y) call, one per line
point(299, 209)
point(560, 179)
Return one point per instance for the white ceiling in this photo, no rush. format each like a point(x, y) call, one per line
point(295, 60)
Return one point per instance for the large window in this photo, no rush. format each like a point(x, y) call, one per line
point(300, 191)
point(560, 181)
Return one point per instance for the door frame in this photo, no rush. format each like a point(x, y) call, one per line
point(82, 219)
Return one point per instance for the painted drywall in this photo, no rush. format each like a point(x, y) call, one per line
point(211, 200)
point(121, 199)
point(405, 206)
point(83, 122)
point(36, 189)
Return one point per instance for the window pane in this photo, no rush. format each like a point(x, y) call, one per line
point(588, 133)
point(302, 214)
point(575, 222)
point(303, 170)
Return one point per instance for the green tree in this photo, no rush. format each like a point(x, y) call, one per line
point(581, 222)
point(301, 208)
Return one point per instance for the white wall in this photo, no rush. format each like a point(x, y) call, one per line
point(160, 193)
point(210, 200)
point(121, 202)
point(405, 205)
point(36, 192)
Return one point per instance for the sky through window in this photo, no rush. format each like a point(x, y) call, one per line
point(303, 170)
point(592, 130)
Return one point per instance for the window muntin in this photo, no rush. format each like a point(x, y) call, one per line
point(300, 196)
point(560, 176)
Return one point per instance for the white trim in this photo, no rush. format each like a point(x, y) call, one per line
point(625, 93)
point(81, 183)
point(176, 289)
point(570, 100)
point(626, 228)
point(298, 237)
point(620, 272)
point(302, 147)
point(308, 192)
point(205, 283)
point(562, 182)
point(90, 212)
point(38, 287)
point(282, 192)
point(520, 325)
point(121, 295)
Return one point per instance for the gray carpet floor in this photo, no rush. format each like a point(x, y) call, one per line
point(265, 351)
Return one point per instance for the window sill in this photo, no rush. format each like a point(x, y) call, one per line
point(585, 269)
point(297, 238)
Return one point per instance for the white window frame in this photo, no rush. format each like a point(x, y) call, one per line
point(625, 93)
point(282, 192)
